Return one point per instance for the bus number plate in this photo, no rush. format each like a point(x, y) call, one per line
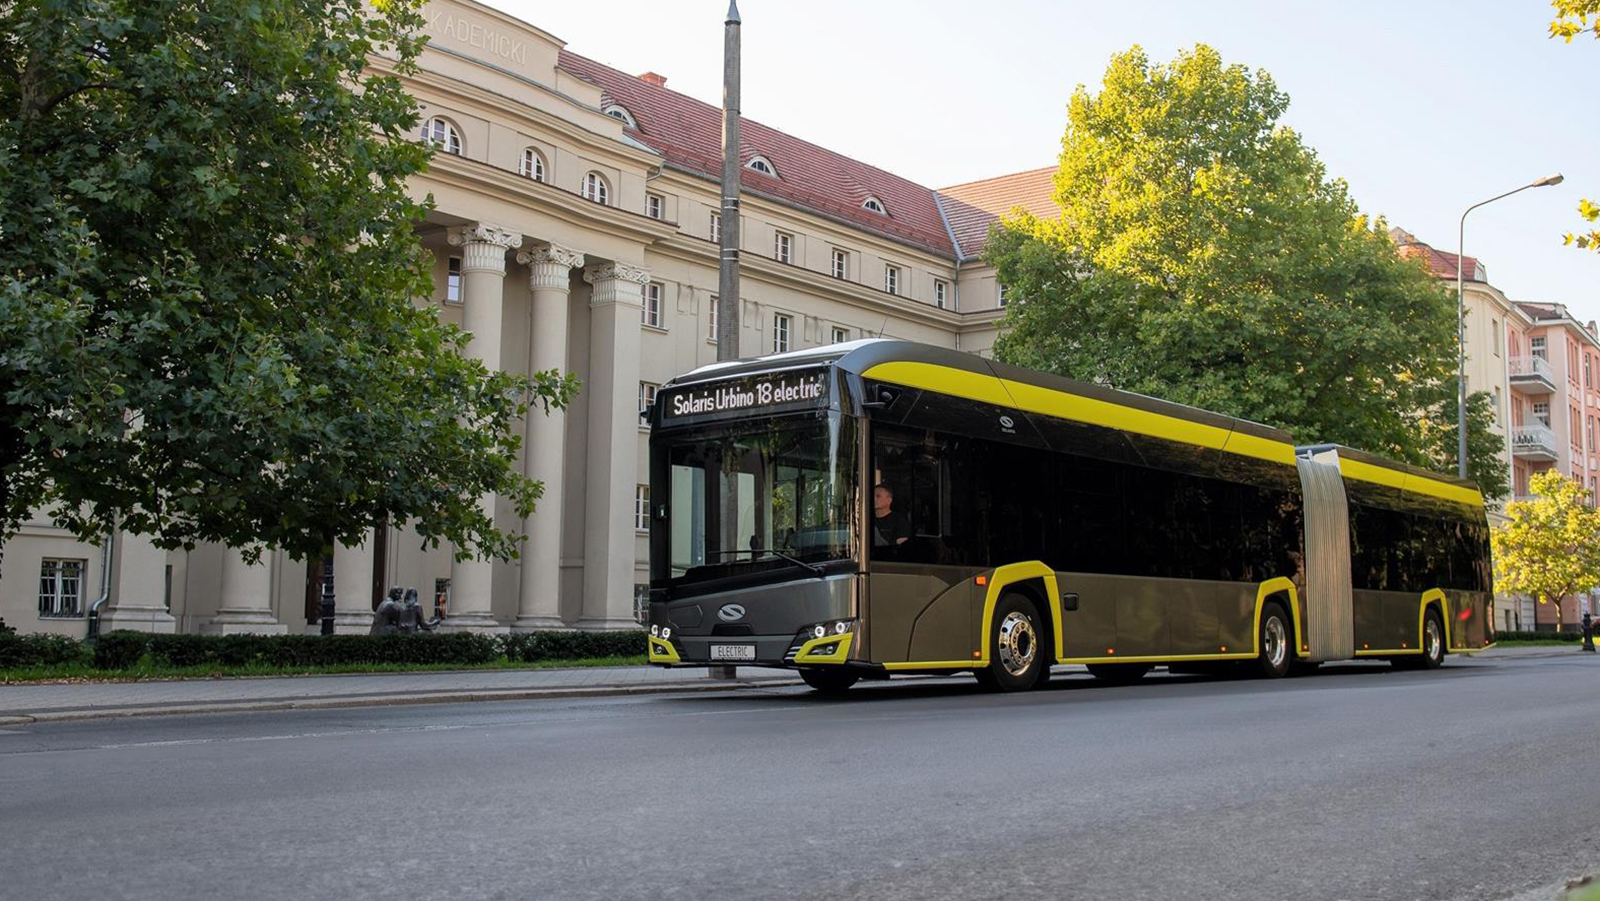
point(733, 652)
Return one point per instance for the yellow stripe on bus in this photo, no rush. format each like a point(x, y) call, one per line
point(1064, 405)
point(1416, 484)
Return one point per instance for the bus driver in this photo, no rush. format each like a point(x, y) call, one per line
point(888, 527)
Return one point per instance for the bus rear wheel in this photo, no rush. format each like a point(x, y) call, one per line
point(1432, 656)
point(1273, 660)
point(1119, 673)
point(829, 681)
point(1016, 647)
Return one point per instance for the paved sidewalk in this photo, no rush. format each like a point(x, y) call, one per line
point(88, 700)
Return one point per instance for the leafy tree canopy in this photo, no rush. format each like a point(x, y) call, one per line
point(1549, 547)
point(1203, 255)
point(1572, 19)
point(207, 281)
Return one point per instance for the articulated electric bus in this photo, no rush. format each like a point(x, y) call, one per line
point(881, 507)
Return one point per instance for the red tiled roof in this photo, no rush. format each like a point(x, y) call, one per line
point(972, 207)
point(1438, 262)
point(688, 132)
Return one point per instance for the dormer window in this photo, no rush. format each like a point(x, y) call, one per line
point(617, 111)
point(759, 163)
point(442, 134)
point(874, 205)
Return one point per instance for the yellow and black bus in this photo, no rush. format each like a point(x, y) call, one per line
point(881, 507)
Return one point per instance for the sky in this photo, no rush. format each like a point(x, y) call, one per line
point(1424, 107)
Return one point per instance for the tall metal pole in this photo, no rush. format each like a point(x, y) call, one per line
point(728, 269)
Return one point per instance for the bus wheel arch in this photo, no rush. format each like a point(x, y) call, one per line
point(1035, 590)
point(1017, 649)
point(1274, 638)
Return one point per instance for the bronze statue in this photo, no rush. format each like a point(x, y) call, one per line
point(403, 616)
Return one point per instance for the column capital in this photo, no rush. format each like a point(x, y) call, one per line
point(616, 283)
point(483, 246)
point(549, 265)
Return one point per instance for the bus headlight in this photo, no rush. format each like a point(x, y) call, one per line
point(655, 630)
point(666, 632)
point(819, 630)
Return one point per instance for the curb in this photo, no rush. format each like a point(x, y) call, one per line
point(456, 697)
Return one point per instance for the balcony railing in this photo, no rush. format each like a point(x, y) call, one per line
point(1524, 370)
point(1534, 442)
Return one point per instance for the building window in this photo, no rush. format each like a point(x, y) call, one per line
point(840, 334)
point(1497, 337)
point(441, 134)
point(641, 508)
point(874, 205)
point(716, 227)
point(711, 332)
point(617, 111)
point(452, 281)
point(999, 294)
point(1537, 346)
point(641, 603)
point(647, 397)
point(783, 247)
point(1541, 412)
point(841, 264)
point(780, 333)
point(1497, 417)
point(891, 279)
point(61, 587)
point(650, 313)
point(654, 206)
point(595, 188)
point(532, 165)
point(1586, 376)
point(759, 163)
point(939, 289)
point(1589, 433)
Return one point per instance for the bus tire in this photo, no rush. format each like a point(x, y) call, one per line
point(829, 681)
point(1432, 656)
point(1119, 673)
point(1017, 647)
point(1276, 651)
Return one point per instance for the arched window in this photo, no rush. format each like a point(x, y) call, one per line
point(874, 205)
point(595, 188)
point(763, 165)
point(532, 165)
point(441, 134)
point(617, 111)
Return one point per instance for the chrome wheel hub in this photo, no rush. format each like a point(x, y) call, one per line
point(1275, 644)
point(1431, 640)
point(1019, 643)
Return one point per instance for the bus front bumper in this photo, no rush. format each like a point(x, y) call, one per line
point(804, 648)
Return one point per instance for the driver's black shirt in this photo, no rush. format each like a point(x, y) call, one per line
point(888, 530)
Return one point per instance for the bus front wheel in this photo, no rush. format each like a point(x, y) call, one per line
point(1017, 649)
point(829, 681)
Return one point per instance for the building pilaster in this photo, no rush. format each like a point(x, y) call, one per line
point(539, 594)
point(613, 390)
point(352, 587)
point(138, 588)
point(483, 275)
point(246, 601)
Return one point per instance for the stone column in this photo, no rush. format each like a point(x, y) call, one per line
point(246, 598)
point(539, 598)
point(352, 587)
point(613, 395)
point(138, 588)
point(483, 275)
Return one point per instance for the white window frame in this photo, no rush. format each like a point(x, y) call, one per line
point(891, 279)
point(532, 165)
point(655, 206)
point(841, 263)
point(716, 227)
point(999, 294)
point(1539, 347)
point(1498, 337)
point(782, 325)
point(839, 335)
point(618, 111)
point(442, 133)
point(596, 189)
point(647, 396)
point(1543, 418)
point(61, 587)
point(711, 330)
point(650, 310)
point(641, 508)
point(452, 281)
point(874, 205)
point(940, 292)
point(759, 163)
point(783, 247)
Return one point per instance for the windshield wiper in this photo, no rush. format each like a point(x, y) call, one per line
point(815, 568)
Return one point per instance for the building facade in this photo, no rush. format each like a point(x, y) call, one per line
point(574, 227)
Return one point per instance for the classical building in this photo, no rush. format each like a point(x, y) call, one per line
point(574, 228)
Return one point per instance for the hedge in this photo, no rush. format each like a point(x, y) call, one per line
point(123, 649)
point(38, 650)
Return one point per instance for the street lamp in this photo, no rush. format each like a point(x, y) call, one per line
point(1461, 320)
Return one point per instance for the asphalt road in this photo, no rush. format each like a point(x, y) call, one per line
point(1356, 782)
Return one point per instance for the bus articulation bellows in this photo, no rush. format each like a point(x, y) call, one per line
point(881, 507)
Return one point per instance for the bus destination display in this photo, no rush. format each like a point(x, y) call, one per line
point(764, 393)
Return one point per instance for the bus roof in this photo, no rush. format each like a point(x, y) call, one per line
point(1359, 464)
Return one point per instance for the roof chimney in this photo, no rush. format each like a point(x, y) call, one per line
point(659, 81)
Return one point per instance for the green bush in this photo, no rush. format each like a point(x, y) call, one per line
point(37, 650)
point(284, 651)
point(5, 629)
point(1539, 636)
point(531, 647)
point(119, 650)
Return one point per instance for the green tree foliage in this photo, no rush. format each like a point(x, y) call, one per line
point(207, 274)
point(1203, 255)
point(1549, 547)
point(1572, 19)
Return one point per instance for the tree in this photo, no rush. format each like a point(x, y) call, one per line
point(1549, 547)
point(1203, 255)
point(207, 280)
point(1572, 19)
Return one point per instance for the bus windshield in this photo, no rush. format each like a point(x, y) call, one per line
point(766, 494)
